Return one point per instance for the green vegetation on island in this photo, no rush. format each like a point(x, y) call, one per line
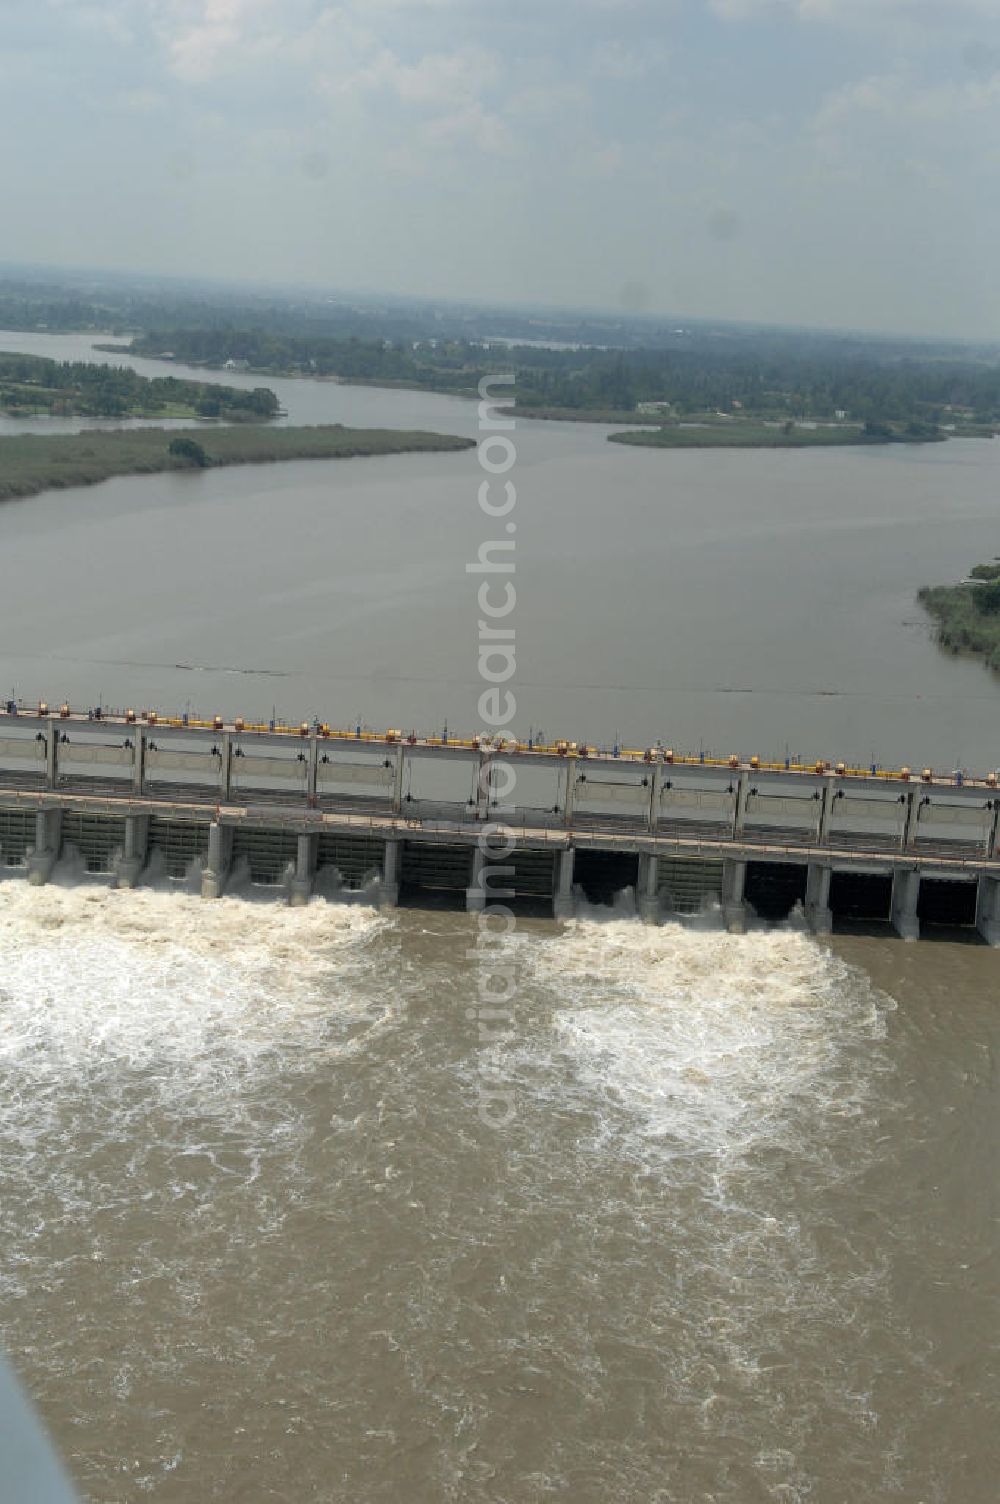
point(30, 463)
point(968, 614)
point(31, 385)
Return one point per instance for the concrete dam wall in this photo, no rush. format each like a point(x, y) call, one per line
point(357, 814)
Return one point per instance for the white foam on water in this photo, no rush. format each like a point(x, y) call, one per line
point(698, 1041)
point(96, 982)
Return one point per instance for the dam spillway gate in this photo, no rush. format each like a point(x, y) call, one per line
point(388, 818)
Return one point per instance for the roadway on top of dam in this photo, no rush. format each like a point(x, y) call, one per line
point(310, 777)
point(25, 720)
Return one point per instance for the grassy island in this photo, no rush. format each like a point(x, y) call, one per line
point(30, 463)
point(968, 615)
point(32, 386)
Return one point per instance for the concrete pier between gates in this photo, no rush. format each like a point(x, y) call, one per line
point(819, 915)
point(216, 870)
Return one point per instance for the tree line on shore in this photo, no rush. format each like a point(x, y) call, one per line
point(33, 383)
point(772, 379)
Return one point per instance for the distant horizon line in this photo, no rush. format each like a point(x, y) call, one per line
point(634, 318)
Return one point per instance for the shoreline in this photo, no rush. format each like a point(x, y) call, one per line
point(806, 438)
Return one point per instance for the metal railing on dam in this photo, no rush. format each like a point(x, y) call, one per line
point(360, 812)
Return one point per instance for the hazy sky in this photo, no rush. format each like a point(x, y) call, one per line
point(816, 161)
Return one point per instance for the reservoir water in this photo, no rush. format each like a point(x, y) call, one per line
point(741, 1239)
point(761, 601)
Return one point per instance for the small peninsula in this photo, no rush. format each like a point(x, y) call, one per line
point(968, 614)
point(30, 463)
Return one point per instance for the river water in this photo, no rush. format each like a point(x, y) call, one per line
point(740, 1239)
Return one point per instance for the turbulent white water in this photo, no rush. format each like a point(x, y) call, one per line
point(127, 1018)
point(708, 1043)
point(254, 1230)
point(95, 980)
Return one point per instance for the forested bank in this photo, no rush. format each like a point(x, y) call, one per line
point(32, 385)
point(771, 380)
point(568, 365)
